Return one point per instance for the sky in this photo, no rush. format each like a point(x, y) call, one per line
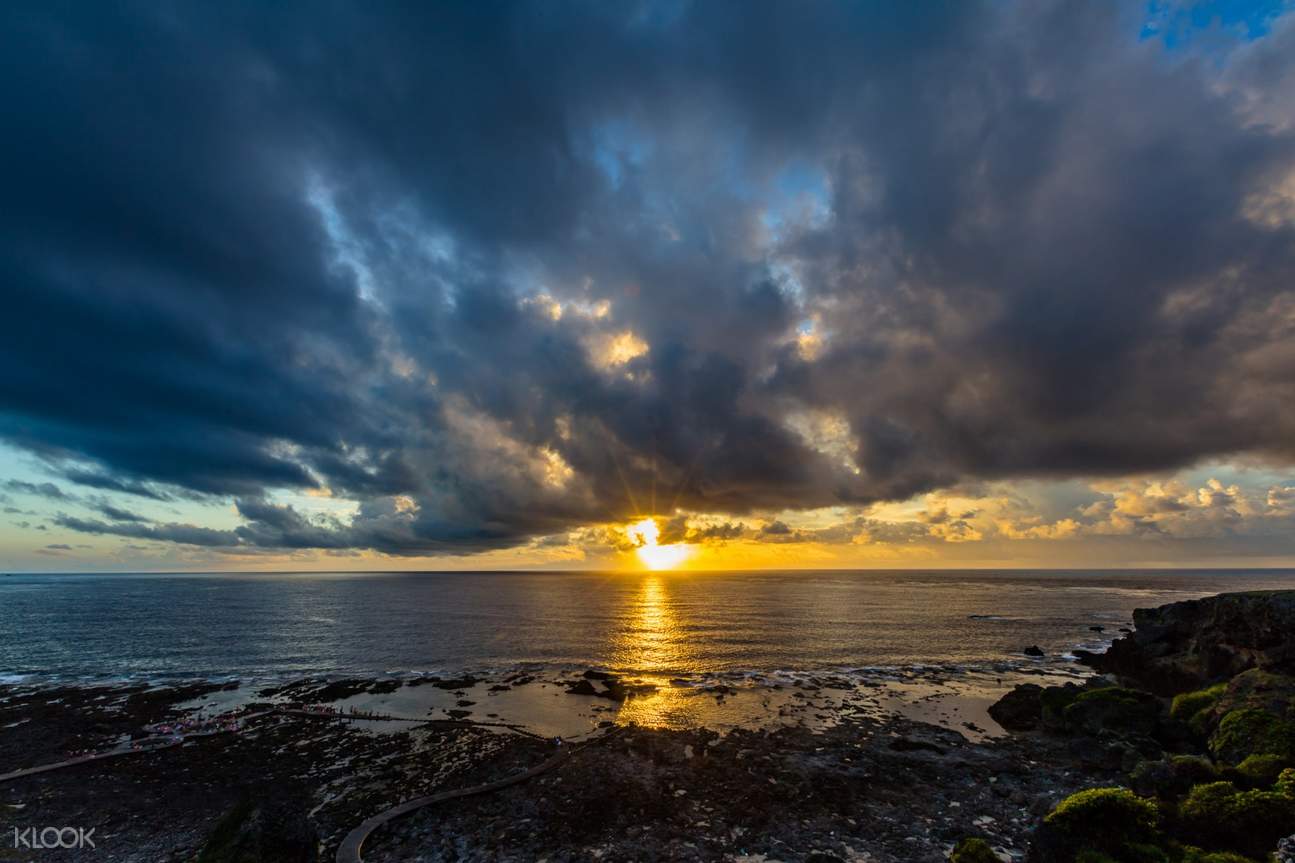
point(598, 285)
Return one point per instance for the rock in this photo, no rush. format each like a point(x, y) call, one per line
point(906, 744)
point(582, 687)
point(1096, 629)
point(1259, 689)
point(1096, 754)
point(1034, 650)
point(467, 681)
point(1021, 709)
point(1185, 645)
point(272, 831)
point(1113, 709)
point(1286, 850)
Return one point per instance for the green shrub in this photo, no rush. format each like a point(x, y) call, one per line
point(1196, 855)
point(973, 850)
point(1188, 704)
point(1220, 817)
point(1143, 852)
point(1285, 783)
point(1251, 731)
point(1135, 853)
point(1104, 820)
point(1261, 770)
point(1173, 777)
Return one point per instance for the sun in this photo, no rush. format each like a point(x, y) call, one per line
point(646, 535)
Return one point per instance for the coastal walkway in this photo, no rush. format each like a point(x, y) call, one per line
point(146, 745)
point(350, 849)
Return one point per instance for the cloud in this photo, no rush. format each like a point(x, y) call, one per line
point(41, 489)
point(185, 534)
point(114, 512)
point(108, 482)
point(528, 269)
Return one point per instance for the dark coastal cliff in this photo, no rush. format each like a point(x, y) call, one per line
point(1189, 644)
point(1197, 709)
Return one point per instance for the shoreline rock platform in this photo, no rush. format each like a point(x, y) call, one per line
point(1178, 751)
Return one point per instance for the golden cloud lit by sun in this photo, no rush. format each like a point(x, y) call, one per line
point(645, 536)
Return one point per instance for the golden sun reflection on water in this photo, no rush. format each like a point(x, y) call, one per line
point(651, 644)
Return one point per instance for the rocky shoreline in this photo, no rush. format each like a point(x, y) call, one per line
point(840, 782)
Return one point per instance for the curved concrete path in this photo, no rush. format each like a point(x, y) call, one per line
point(349, 850)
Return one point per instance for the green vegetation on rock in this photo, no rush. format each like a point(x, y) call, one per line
point(1055, 700)
point(1102, 821)
point(1194, 707)
point(973, 850)
point(1261, 770)
point(1196, 855)
point(1258, 688)
point(1171, 778)
point(1252, 731)
point(1220, 816)
point(1126, 711)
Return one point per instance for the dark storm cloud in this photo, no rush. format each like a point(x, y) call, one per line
point(256, 247)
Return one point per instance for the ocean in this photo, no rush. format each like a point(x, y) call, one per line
point(90, 628)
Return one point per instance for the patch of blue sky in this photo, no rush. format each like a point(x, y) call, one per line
point(1184, 24)
point(618, 148)
point(1253, 477)
point(800, 195)
point(313, 506)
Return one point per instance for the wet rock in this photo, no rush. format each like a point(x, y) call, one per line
point(466, 681)
point(1033, 650)
point(581, 687)
point(1021, 709)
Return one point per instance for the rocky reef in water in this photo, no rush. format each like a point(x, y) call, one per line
point(1196, 708)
